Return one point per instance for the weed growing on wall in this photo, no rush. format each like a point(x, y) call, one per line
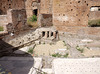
point(33, 18)
point(1, 28)
point(32, 21)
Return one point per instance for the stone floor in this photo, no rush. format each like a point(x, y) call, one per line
point(76, 66)
point(48, 49)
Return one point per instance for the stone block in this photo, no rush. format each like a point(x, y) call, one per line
point(47, 70)
point(37, 42)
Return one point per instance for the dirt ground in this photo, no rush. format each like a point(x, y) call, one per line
point(91, 53)
point(48, 49)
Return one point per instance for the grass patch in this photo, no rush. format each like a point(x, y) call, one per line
point(1, 28)
point(32, 21)
point(66, 55)
point(59, 55)
point(30, 50)
point(43, 42)
point(94, 23)
point(56, 55)
point(64, 43)
point(33, 18)
point(80, 49)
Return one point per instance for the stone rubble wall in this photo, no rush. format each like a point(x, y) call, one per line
point(19, 18)
point(46, 20)
point(23, 39)
point(29, 37)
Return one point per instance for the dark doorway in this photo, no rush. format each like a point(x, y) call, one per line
point(35, 12)
point(43, 34)
point(1, 12)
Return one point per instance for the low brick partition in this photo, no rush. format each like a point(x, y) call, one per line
point(80, 30)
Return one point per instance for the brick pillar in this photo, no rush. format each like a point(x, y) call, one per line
point(45, 34)
point(49, 33)
point(54, 34)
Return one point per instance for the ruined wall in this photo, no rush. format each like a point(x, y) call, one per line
point(72, 16)
point(14, 21)
point(94, 14)
point(30, 6)
point(18, 20)
point(45, 13)
point(70, 13)
point(4, 20)
point(11, 4)
point(46, 20)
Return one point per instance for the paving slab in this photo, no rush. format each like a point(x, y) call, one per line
point(76, 66)
point(17, 65)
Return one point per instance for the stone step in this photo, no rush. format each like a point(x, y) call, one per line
point(37, 66)
point(94, 45)
point(47, 71)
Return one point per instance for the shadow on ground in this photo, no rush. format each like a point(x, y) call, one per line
point(12, 62)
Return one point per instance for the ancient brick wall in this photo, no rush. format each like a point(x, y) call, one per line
point(72, 16)
point(11, 4)
point(70, 13)
point(46, 7)
point(30, 5)
point(93, 15)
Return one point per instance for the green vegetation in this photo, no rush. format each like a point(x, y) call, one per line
point(56, 55)
point(43, 42)
point(66, 55)
point(64, 43)
point(59, 55)
point(67, 45)
point(79, 49)
point(43, 25)
point(94, 23)
point(33, 18)
point(1, 28)
point(44, 73)
point(30, 50)
point(32, 21)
